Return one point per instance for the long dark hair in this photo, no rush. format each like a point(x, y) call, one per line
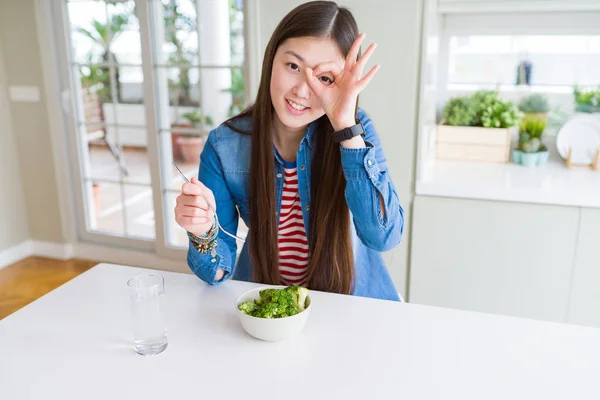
point(331, 263)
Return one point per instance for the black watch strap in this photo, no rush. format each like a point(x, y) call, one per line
point(349, 133)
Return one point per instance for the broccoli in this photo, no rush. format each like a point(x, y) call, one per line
point(299, 295)
point(288, 311)
point(247, 307)
point(277, 303)
point(268, 310)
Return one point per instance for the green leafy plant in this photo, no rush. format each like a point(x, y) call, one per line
point(587, 99)
point(179, 27)
point(237, 91)
point(103, 34)
point(483, 108)
point(492, 111)
point(534, 103)
point(194, 118)
point(460, 111)
point(530, 135)
point(497, 113)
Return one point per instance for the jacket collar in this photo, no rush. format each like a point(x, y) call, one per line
point(309, 135)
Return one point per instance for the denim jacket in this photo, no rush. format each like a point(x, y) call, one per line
point(225, 169)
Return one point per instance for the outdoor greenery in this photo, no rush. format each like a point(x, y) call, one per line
point(178, 26)
point(98, 76)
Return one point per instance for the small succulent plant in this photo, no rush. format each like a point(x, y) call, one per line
point(530, 135)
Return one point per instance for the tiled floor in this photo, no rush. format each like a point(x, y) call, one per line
point(128, 209)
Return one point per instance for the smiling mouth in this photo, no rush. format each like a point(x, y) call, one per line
point(296, 106)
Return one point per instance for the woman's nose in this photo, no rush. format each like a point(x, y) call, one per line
point(302, 89)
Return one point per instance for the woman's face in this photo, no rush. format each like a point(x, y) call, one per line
point(295, 104)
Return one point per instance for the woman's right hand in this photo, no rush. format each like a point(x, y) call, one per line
point(192, 212)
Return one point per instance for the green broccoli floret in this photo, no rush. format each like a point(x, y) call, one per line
point(287, 311)
point(267, 310)
point(277, 303)
point(266, 296)
point(248, 307)
point(279, 296)
point(299, 295)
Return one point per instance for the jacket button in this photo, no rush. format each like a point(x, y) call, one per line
point(302, 167)
point(370, 162)
point(279, 175)
point(307, 208)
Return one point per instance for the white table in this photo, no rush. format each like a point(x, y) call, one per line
point(74, 343)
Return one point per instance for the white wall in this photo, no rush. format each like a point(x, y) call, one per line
point(13, 218)
point(30, 125)
point(391, 98)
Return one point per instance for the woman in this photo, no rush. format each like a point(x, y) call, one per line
point(303, 167)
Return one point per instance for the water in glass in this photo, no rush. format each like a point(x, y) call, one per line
point(148, 314)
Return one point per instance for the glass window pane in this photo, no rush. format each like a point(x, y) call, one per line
point(221, 91)
point(546, 60)
point(179, 42)
point(480, 44)
point(106, 211)
point(551, 44)
point(125, 158)
point(88, 23)
point(236, 26)
point(95, 92)
point(139, 211)
point(595, 44)
point(176, 235)
point(186, 154)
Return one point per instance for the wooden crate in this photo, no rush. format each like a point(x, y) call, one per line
point(471, 143)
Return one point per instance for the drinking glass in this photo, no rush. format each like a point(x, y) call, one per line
point(148, 313)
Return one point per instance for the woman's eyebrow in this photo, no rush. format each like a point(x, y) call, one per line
point(295, 55)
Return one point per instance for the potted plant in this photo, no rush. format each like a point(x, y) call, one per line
point(535, 105)
point(191, 144)
point(587, 100)
point(476, 128)
point(531, 151)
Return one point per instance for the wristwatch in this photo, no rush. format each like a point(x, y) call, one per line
point(349, 133)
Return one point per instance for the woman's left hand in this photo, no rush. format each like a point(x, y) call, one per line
point(338, 99)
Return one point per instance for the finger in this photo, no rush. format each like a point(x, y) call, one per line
point(194, 201)
point(360, 65)
point(206, 192)
point(191, 189)
point(328, 67)
point(367, 78)
point(353, 53)
point(187, 221)
point(188, 211)
point(313, 82)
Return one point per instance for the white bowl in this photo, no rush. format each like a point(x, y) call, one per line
point(270, 329)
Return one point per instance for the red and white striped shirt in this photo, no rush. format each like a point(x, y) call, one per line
point(293, 246)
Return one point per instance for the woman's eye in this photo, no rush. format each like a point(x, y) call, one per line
point(294, 66)
point(326, 80)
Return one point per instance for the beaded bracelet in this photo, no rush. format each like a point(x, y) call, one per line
point(207, 241)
